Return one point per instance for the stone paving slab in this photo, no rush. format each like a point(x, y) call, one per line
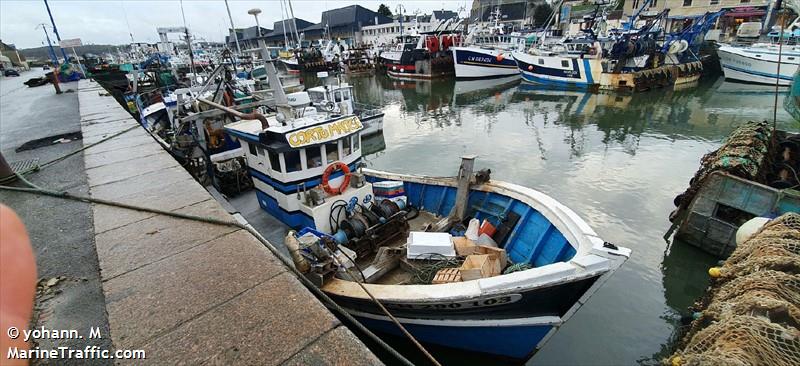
point(335, 347)
point(125, 249)
point(116, 156)
point(183, 194)
point(140, 183)
point(248, 328)
point(156, 298)
point(189, 292)
point(119, 171)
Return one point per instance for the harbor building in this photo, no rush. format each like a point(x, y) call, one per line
point(285, 29)
point(572, 16)
point(515, 13)
point(681, 11)
point(405, 24)
point(14, 57)
point(248, 37)
point(347, 23)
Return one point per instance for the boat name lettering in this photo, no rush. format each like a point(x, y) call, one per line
point(323, 133)
point(479, 59)
point(476, 303)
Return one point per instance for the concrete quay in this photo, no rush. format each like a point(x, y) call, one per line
point(185, 292)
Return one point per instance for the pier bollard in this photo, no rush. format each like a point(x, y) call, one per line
point(54, 80)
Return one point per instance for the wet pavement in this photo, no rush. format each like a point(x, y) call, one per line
point(61, 231)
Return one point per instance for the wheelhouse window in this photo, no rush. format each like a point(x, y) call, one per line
point(313, 157)
point(337, 96)
point(346, 147)
point(332, 151)
point(564, 63)
point(292, 160)
point(252, 148)
point(356, 142)
point(274, 161)
point(316, 97)
point(687, 2)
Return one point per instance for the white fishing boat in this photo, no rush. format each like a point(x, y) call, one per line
point(758, 63)
point(355, 226)
point(486, 53)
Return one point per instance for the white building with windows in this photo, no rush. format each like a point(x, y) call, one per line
point(387, 33)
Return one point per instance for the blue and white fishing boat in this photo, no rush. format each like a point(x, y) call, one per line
point(306, 171)
point(637, 59)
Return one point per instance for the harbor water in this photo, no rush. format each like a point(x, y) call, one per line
point(617, 160)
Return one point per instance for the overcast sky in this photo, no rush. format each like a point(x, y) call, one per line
point(104, 21)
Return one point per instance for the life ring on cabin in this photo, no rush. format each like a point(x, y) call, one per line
point(327, 175)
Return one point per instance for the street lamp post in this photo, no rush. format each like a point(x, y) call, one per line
point(254, 12)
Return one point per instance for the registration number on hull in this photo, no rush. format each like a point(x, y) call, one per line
point(456, 305)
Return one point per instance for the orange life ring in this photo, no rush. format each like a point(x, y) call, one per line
point(327, 175)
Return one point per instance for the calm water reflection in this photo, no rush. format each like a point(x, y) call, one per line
point(617, 160)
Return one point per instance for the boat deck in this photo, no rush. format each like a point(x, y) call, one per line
point(404, 273)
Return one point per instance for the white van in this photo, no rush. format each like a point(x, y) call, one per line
point(749, 30)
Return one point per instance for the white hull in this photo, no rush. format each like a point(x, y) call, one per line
point(476, 62)
point(758, 64)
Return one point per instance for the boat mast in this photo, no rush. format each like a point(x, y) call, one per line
point(189, 44)
point(285, 38)
point(233, 30)
point(294, 22)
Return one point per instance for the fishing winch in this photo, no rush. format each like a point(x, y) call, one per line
point(365, 229)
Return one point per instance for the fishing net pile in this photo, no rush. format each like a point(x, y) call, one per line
point(746, 153)
point(751, 313)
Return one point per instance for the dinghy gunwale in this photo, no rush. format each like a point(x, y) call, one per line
point(591, 258)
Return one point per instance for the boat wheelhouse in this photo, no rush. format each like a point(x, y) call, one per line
point(339, 99)
point(287, 161)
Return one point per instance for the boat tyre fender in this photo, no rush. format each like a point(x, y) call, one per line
point(327, 175)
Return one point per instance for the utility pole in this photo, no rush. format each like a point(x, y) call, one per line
point(233, 30)
point(55, 30)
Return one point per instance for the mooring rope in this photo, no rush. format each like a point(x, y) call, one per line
point(37, 190)
point(66, 195)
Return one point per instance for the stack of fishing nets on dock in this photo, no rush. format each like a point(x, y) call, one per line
point(751, 312)
point(746, 153)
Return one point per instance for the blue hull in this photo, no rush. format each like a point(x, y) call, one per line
point(517, 342)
